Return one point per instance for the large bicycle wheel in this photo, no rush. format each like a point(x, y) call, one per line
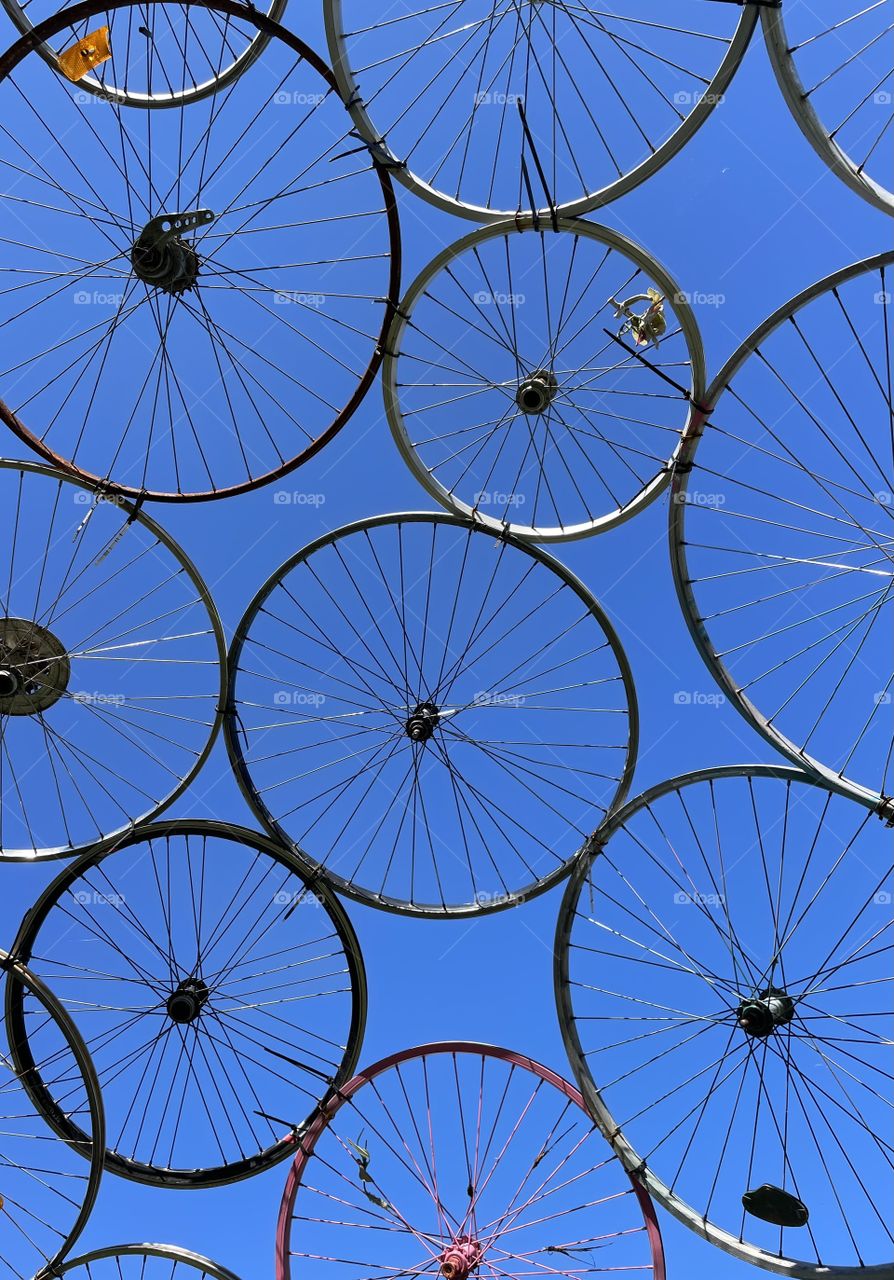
point(177, 53)
point(219, 995)
point(834, 65)
point(49, 1185)
point(508, 399)
point(459, 1159)
point(143, 1262)
point(435, 717)
point(724, 984)
point(112, 664)
point(782, 529)
point(488, 109)
point(194, 299)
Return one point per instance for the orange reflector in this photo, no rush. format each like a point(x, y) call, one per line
point(85, 54)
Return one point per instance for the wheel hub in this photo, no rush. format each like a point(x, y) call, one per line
point(536, 392)
point(761, 1015)
point(460, 1258)
point(162, 258)
point(421, 724)
point(186, 1003)
point(34, 668)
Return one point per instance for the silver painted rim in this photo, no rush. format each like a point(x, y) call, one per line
point(135, 515)
point(339, 57)
point(687, 461)
point(651, 270)
point(169, 1252)
point(590, 1089)
point(801, 107)
point(222, 80)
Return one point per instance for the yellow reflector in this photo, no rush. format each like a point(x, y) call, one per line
point(85, 54)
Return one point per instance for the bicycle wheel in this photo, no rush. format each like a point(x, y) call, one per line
point(487, 110)
point(458, 1159)
point(111, 665)
point(201, 51)
point(724, 985)
point(507, 398)
point(196, 305)
point(782, 529)
point(834, 65)
point(49, 1186)
point(216, 991)
point(143, 1262)
point(433, 716)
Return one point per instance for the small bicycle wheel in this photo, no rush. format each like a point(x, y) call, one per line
point(509, 400)
point(142, 1262)
point(724, 983)
point(489, 109)
point(216, 990)
point(200, 50)
point(435, 717)
point(194, 300)
point(49, 1185)
point(460, 1159)
point(834, 65)
point(112, 664)
point(782, 529)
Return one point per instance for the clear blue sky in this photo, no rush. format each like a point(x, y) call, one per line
point(746, 212)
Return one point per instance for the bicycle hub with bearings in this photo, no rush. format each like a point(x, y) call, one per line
point(160, 257)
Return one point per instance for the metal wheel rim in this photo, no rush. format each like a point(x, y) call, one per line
point(628, 1155)
point(686, 460)
point(390, 368)
point(243, 773)
point(170, 1252)
point(809, 122)
point(241, 63)
point(332, 10)
point(35, 40)
point(137, 515)
point(129, 1167)
point(18, 976)
point(331, 1107)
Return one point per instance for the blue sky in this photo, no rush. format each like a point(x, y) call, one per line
point(747, 214)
